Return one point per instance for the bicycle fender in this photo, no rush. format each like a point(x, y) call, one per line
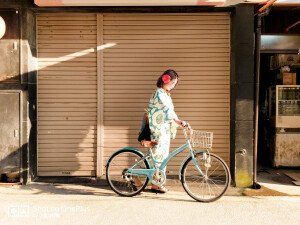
point(183, 162)
point(133, 149)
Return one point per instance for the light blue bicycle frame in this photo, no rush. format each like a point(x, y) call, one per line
point(163, 164)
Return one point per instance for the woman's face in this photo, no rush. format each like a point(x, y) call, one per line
point(169, 86)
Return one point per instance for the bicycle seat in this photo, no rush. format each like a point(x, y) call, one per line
point(149, 144)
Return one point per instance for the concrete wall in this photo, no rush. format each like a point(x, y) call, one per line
point(29, 71)
point(242, 94)
point(26, 85)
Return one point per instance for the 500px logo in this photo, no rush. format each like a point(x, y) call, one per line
point(18, 211)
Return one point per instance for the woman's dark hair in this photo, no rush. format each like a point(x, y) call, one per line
point(171, 73)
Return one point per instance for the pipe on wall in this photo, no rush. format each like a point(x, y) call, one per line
point(257, 77)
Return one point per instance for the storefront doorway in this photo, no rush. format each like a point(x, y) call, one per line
point(279, 119)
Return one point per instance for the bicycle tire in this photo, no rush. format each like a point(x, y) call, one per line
point(207, 189)
point(120, 183)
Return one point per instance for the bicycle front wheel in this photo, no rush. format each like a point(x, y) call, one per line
point(120, 182)
point(210, 185)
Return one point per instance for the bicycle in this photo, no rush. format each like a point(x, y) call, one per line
point(204, 176)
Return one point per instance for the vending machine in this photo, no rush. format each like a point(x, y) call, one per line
point(284, 120)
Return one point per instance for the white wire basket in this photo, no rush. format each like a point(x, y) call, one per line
point(201, 139)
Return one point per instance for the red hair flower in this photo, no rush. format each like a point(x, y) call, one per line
point(166, 78)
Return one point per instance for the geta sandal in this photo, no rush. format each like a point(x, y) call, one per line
point(161, 189)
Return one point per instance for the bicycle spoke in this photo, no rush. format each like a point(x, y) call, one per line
point(210, 190)
point(215, 185)
point(213, 171)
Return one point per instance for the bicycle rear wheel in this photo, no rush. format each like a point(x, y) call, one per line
point(117, 178)
point(206, 188)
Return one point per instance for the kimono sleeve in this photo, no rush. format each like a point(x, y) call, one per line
point(168, 106)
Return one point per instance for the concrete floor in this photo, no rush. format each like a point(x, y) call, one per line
point(89, 201)
point(276, 179)
point(74, 204)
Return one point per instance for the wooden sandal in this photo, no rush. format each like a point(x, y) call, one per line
point(161, 189)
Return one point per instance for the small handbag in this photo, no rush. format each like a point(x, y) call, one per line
point(145, 132)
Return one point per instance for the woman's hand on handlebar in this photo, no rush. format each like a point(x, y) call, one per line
point(181, 123)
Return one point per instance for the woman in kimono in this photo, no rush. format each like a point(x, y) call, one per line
point(163, 121)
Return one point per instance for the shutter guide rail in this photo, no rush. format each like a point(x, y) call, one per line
point(100, 128)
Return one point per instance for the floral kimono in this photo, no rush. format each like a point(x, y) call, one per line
point(161, 114)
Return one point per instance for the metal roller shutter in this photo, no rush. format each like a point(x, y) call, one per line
point(134, 49)
point(196, 45)
point(67, 94)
